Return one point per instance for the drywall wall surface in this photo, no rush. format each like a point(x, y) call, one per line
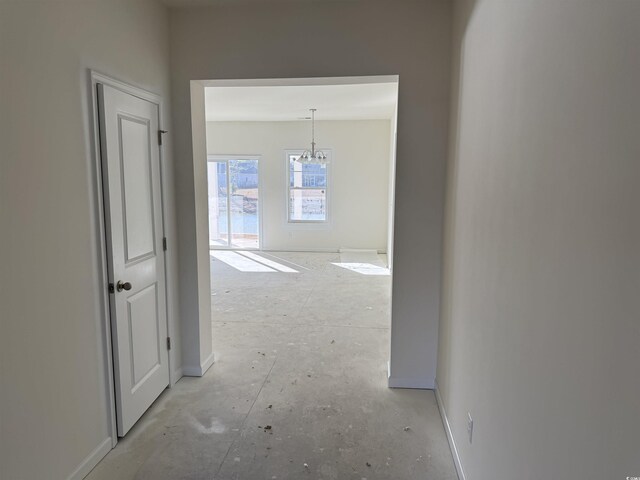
point(356, 38)
point(357, 187)
point(541, 317)
point(202, 288)
point(53, 399)
point(392, 188)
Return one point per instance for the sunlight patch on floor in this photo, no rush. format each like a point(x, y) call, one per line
point(250, 262)
point(268, 262)
point(239, 262)
point(363, 268)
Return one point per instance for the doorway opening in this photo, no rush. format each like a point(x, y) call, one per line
point(296, 242)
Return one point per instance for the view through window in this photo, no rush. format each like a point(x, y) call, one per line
point(233, 203)
point(307, 190)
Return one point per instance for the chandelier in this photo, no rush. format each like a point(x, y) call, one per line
point(313, 155)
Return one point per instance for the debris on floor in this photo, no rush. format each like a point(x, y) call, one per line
point(324, 420)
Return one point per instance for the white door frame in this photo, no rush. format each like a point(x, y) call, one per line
point(95, 79)
point(226, 158)
point(200, 321)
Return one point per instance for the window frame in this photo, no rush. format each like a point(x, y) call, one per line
point(327, 188)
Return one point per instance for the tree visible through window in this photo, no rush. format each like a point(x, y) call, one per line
point(307, 191)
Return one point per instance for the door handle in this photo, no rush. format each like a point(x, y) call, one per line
point(123, 286)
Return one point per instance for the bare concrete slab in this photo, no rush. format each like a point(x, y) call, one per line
point(298, 389)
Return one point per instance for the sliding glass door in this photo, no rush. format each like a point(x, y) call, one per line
point(234, 208)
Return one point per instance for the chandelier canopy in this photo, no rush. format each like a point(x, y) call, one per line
point(313, 155)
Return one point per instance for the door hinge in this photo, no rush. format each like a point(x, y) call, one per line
point(168, 343)
point(112, 288)
point(160, 132)
point(164, 243)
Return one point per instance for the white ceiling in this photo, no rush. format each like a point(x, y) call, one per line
point(369, 101)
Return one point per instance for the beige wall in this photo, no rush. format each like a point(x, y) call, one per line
point(53, 398)
point(541, 312)
point(356, 38)
point(358, 179)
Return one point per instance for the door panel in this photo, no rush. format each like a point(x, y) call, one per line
point(245, 222)
point(218, 218)
point(133, 209)
point(137, 194)
point(144, 334)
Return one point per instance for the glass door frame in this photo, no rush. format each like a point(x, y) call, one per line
point(226, 159)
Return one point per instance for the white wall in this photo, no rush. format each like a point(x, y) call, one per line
point(541, 311)
point(53, 411)
point(391, 200)
point(361, 37)
point(358, 179)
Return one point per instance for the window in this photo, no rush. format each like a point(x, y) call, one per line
point(307, 190)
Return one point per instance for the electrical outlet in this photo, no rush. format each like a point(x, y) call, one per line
point(470, 427)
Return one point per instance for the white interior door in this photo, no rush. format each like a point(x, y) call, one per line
point(133, 214)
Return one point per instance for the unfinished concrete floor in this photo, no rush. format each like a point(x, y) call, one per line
point(298, 389)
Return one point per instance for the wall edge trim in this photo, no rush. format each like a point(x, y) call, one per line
point(91, 460)
point(199, 370)
point(207, 363)
point(447, 427)
point(177, 375)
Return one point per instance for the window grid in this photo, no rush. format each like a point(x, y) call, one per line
point(307, 200)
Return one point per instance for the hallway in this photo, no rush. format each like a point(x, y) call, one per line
point(298, 388)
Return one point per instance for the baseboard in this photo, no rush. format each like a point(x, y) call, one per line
point(379, 251)
point(91, 461)
point(177, 375)
point(358, 250)
point(198, 371)
point(418, 383)
point(452, 442)
point(195, 371)
point(301, 250)
point(207, 363)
